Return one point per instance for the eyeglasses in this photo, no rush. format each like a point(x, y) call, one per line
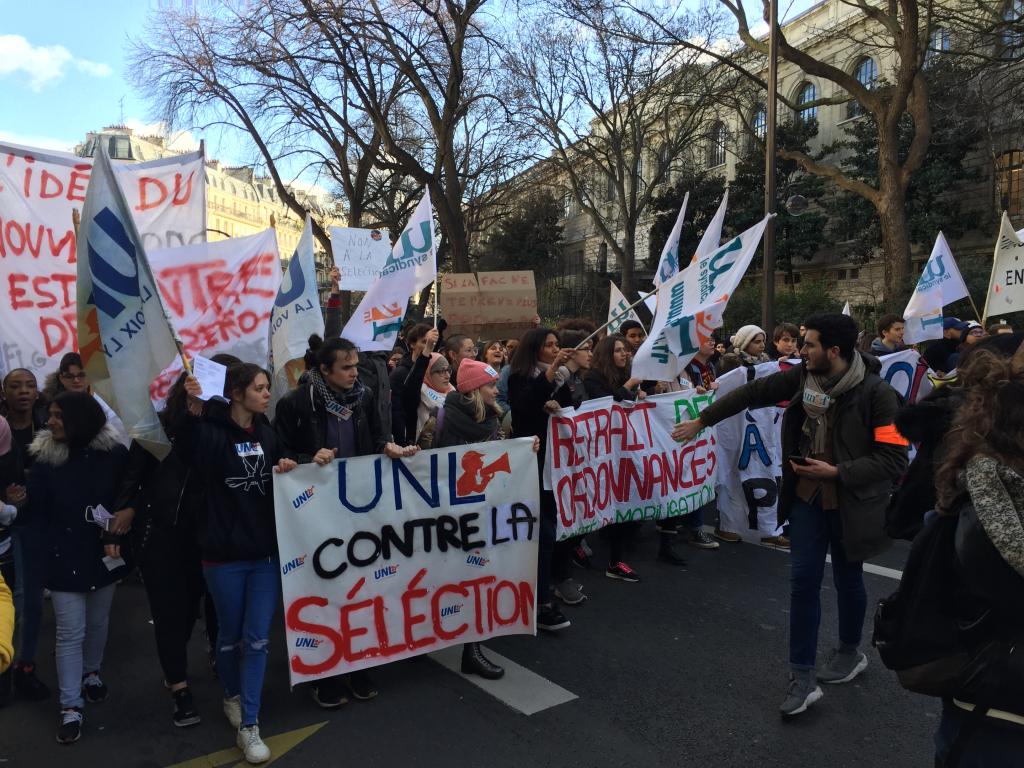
point(75, 376)
point(442, 371)
point(584, 349)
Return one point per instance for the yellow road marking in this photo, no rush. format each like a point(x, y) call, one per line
point(279, 745)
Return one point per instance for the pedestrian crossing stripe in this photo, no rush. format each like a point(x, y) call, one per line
point(278, 745)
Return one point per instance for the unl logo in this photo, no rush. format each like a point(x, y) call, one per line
point(113, 264)
point(296, 281)
point(475, 477)
point(934, 270)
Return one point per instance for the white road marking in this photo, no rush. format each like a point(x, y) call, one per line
point(521, 689)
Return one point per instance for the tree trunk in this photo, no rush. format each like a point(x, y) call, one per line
point(892, 216)
point(629, 263)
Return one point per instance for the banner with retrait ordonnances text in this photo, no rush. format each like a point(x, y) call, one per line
point(384, 559)
point(612, 462)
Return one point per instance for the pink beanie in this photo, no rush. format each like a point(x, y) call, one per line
point(473, 374)
point(5, 436)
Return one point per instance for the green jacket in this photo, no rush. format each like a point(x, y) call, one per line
point(868, 469)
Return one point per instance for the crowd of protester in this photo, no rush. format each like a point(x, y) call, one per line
point(82, 505)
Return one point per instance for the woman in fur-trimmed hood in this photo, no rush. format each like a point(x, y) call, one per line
point(981, 482)
point(78, 466)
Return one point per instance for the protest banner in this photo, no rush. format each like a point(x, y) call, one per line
point(611, 462)
point(749, 462)
point(124, 334)
point(489, 305)
point(383, 559)
point(411, 267)
point(220, 296)
point(295, 316)
point(940, 284)
point(39, 189)
point(907, 372)
point(1006, 284)
point(359, 255)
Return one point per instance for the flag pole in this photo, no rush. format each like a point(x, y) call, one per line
point(614, 317)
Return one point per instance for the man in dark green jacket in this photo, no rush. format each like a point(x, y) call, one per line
point(841, 456)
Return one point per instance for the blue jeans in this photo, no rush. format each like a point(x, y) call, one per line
point(245, 594)
point(811, 533)
point(989, 743)
point(82, 622)
point(28, 594)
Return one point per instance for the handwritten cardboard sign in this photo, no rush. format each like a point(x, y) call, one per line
point(489, 304)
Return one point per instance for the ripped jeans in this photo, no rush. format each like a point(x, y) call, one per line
point(245, 594)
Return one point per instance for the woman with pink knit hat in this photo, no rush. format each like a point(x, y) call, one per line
point(472, 415)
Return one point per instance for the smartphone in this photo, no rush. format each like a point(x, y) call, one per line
point(798, 460)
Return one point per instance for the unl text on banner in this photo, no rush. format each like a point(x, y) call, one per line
point(385, 559)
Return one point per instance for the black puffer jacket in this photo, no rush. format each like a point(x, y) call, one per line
point(301, 424)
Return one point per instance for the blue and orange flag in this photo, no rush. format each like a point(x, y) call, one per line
point(124, 335)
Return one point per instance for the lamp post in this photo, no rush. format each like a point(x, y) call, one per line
point(768, 284)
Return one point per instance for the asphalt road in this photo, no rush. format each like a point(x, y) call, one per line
point(686, 668)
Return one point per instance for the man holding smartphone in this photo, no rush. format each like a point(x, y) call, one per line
point(844, 455)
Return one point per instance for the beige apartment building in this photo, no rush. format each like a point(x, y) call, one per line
point(238, 203)
point(838, 34)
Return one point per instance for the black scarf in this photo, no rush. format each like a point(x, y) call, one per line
point(337, 403)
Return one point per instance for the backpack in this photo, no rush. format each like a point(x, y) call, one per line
point(939, 638)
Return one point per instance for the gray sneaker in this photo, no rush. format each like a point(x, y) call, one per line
point(842, 667)
point(699, 538)
point(570, 592)
point(803, 691)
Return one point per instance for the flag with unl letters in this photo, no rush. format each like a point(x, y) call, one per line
point(618, 309)
point(124, 335)
point(940, 285)
point(411, 267)
point(1006, 286)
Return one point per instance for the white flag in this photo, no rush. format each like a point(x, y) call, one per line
point(940, 285)
point(846, 309)
point(124, 335)
point(691, 305)
point(654, 361)
point(619, 310)
point(296, 314)
point(668, 263)
point(411, 267)
point(1006, 286)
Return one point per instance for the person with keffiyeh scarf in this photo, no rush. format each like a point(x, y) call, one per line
point(332, 415)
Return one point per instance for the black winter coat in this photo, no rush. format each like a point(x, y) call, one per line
point(234, 471)
point(301, 424)
point(867, 469)
point(62, 484)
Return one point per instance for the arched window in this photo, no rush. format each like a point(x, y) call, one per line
point(717, 137)
point(1013, 30)
point(866, 73)
point(806, 95)
point(938, 43)
point(759, 122)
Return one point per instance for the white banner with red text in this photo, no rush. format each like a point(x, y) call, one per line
point(612, 462)
point(39, 189)
point(386, 559)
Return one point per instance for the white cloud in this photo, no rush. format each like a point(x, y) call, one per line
point(43, 64)
point(42, 142)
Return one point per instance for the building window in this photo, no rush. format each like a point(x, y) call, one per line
point(855, 274)
point(938, 43)
point(609, 188)
point(866, 73)
point(120, 148)
point(759, 122)
point(807, 94)
point(716, 145)
point(566, 205)
point(1013, 35)
point(1009, 170)
point(841, 274)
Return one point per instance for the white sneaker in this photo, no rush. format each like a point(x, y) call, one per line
point(233, 711)
point(252, 745)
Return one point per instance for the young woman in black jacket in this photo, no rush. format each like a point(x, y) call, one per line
point(533, 393)
point(78, 467)
point(232, 451)
point(609, 376)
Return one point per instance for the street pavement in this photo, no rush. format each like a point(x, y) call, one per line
point(686, 668)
